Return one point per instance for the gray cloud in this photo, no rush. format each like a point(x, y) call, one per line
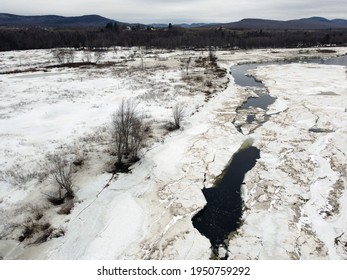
point(149, 11)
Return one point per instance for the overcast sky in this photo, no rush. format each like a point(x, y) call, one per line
point(178, 11)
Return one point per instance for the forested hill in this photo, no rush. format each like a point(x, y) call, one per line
point(10, 20)
point(313, 23)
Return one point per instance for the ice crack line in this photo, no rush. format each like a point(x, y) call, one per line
point(96, 197)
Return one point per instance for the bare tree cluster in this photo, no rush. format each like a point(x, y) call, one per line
point(94, 54)
point(64, 55)
point(127, 132)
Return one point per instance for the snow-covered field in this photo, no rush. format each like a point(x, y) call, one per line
point(295, 196)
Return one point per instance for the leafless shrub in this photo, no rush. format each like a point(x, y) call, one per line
point(127, 131)
point(212, 56)
point(99, 54)
point(120, 125)
point(93, 55)
point(58, 232)
point(49, 233)
point(141, 56)
point(187, 65)
point(62, 174)
point(136, 138)
point(198, 78)
point(58, 55)
point(45, 235)
point(35, 231)
point(87, 55)
point(38, 214)
point(28, 231)
point(64, 55)
point(178, 114)
point(34, 228)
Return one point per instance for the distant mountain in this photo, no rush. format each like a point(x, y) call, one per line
point(99, 21)
point(195, 25)
point(313, 23)
point(340, 21)
point(184, 25)
point(53, 21)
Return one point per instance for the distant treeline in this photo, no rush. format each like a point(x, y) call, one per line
point(172, 38)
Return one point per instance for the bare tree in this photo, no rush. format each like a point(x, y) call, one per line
point(70, 55)
point(117, 132)
point(59, 55)
point(115, 51)
point(87, 55)
point(136, 137)
point(212, 55)
point(178, 114)
point(187, 64)
point(64, 55)
point(62, 176)
point(99, 54)
point(94, 55)
point(127, 113)
point(117, 141)
point(127, 131)
point(141, 55)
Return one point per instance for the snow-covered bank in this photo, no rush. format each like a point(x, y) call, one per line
point(69, 112)
point(294, 197)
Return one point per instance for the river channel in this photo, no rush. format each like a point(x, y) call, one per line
point(223, 210)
